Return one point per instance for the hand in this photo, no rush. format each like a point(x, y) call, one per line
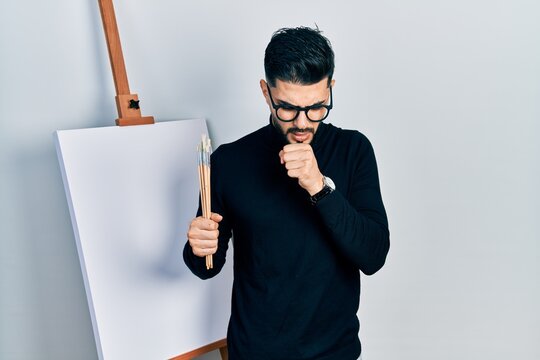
point(300, 162)
point(203, 235)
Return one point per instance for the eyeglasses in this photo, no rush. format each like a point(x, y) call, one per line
point(314, 113)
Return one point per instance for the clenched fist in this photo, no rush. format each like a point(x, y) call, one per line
point(203, 235)
point(300, 162)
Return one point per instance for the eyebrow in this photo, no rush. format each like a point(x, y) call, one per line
point(281, 102)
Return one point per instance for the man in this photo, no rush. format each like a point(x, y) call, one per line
point(302, 199)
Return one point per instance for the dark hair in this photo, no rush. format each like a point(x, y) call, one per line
point(299, 55)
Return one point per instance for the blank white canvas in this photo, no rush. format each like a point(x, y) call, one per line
point(132, 192)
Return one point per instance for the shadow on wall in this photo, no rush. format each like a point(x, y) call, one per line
point(61, 314)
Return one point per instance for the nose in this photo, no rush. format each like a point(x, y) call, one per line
point(301, 121)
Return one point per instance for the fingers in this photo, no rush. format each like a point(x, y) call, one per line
point(204, 245)
point(205, 224)
point(295, 164)
point(203, 229)
point(202, 248)
point(296, 157)
point(300, 163)
point(296, 147)
point(199, 234)
point(299, 173)
point(203, 235)
point(296, 153)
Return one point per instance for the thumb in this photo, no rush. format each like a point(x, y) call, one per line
point(216, 217)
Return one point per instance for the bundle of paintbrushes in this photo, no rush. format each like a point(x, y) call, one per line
point(204, 149)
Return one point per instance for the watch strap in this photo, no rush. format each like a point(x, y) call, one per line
point(321, 194)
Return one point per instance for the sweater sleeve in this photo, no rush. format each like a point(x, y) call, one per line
point(357, 222)
point(197, 264)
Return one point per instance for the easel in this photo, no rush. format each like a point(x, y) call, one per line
point(129, 113)
point(127, 104)
point(221, 345)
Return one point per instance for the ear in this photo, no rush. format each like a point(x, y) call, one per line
point(264, 90)
point(332, 83)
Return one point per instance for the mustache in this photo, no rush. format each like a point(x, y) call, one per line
point(295, 130)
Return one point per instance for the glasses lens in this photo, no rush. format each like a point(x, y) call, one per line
point(317, 114)
point(286, 114)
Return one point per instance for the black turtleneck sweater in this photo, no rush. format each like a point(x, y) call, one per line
point(296, 265)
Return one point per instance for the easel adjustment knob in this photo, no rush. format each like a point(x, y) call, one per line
point(130, 112)
point(134, 104)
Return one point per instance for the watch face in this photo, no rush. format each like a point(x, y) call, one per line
point(329, 182)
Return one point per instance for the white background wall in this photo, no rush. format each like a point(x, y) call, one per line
point(447, 91)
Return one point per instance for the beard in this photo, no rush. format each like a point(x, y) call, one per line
point(292, 130)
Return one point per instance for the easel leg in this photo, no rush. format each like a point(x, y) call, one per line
point(224, 353)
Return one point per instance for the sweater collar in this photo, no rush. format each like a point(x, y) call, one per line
point(277, 141)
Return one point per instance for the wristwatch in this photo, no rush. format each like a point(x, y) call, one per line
point(328, 187)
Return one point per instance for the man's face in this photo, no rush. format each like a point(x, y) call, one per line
point(301, 130)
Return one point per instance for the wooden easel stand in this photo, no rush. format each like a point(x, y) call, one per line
point(221, 345)
point(127, 104)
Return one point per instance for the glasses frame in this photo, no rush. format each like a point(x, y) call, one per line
point(305, 109)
